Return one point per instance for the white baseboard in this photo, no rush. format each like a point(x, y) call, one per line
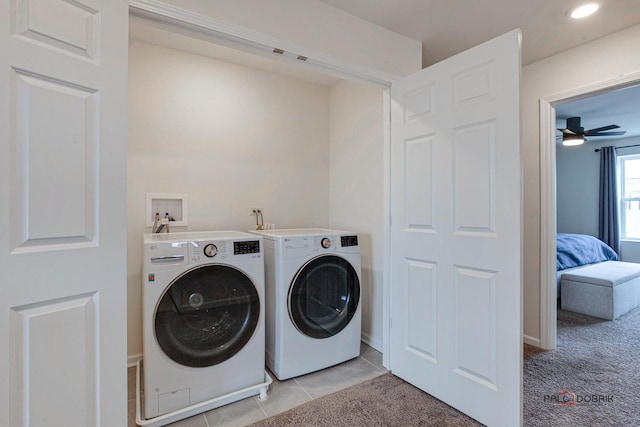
point(531, 340)
point(371, 342)
point(133, 359)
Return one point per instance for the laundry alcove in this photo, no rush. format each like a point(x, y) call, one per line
point(234, 130)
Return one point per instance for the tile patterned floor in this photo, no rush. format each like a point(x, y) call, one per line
point(282, 395)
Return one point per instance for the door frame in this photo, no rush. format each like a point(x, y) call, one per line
point(548, 224)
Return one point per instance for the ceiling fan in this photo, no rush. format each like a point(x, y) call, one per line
point(574, 134)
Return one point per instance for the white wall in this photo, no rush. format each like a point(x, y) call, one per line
point(314, 25)
point(592, 63)
point(577, 181)
point(231, 137)
point(577, 188)
point(356, 188)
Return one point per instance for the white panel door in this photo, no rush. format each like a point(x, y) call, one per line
point(456, 206)
point(63, 135)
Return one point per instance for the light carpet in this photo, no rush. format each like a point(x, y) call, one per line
point(382, 401)
point(591, 379)
point(596, 360)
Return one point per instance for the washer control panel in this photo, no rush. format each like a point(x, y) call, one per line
point(211, 250)
point(246, 247)
point(346, 241)
point(206, 251)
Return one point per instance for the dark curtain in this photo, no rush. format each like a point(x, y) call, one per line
point(608, 214)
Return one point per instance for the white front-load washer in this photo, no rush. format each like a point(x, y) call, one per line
point(203, 317)
point(312, 279)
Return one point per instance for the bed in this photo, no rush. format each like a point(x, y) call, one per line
point(577, 250)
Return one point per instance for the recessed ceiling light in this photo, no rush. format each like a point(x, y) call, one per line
point(584, 11)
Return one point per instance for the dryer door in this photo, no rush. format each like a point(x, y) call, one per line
point(206, 315)
point(324, 296)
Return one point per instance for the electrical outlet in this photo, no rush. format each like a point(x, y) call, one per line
point(254, 209)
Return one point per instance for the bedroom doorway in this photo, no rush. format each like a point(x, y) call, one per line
point(548, 181)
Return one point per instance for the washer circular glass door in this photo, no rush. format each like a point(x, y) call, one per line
point(324, 296)
point(206, 315)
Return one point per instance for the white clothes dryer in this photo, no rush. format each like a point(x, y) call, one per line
point(312, 279)
point(203, 317)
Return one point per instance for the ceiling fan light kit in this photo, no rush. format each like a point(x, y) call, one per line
point(574, 133)
point(572, 140)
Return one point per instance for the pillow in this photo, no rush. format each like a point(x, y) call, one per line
point(574, 250)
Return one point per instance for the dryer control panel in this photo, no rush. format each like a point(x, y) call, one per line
point(296, 243)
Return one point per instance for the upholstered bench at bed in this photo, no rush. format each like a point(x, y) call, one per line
point(606, 290)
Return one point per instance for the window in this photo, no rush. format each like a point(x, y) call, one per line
point(629, 185)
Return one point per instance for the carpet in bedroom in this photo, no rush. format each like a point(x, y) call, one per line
point(596, 360)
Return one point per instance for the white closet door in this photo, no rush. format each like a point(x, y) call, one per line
point(456, 206)
point(63, 132)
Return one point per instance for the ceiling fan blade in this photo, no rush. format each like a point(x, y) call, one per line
point(591, 131)
point(567, 131)
point(607, 133)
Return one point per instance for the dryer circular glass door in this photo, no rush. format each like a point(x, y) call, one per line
point(324, 296)
point(206, 315)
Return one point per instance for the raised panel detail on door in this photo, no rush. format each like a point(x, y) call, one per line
point(421, 309)
point(473, 85)
point(419, 183)
point(476, 325)
point(54, 124)
point(419, 103)
point(74, 30)
point(55, 351)
point(474, 170)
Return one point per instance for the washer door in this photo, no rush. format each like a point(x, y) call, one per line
point(324, 296)
point(207, 315)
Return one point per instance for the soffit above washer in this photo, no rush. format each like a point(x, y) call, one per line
point(156, 33)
